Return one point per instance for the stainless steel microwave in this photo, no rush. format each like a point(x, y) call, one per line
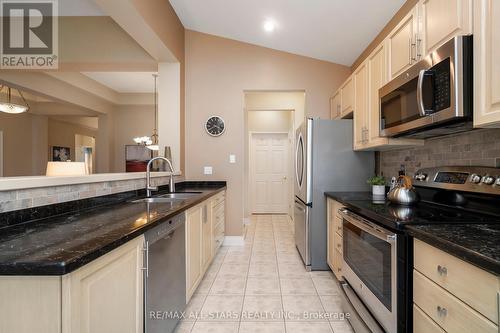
point(433, 97)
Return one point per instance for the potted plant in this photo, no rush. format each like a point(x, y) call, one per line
point(378, 185)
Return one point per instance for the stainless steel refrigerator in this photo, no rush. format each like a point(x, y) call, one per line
point(324, 161)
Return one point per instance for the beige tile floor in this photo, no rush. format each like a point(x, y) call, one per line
point(263, 287)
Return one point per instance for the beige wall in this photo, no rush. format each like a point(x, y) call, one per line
point(269, 121)
point(130, 122)
point(218, 72)
point(17, 144)
point(62, 134)
point(277, 100)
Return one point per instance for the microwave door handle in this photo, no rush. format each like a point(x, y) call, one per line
point(420, 99)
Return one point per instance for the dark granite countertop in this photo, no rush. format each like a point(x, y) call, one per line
point(475, 238)
point(59, 245)
point(345, 197)
point(478, 244)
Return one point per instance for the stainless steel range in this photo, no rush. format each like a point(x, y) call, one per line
point(378, 253)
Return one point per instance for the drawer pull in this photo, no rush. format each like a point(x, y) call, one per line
point(442, 270)
point(442, 312)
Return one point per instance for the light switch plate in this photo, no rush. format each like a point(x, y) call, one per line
point(232, 158)
point(208, 170)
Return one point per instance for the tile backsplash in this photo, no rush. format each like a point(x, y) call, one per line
point(474, 148)
point(35, 197)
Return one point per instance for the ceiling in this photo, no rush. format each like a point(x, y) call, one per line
point(332, 30)
point(125, 82)
point(79, 8)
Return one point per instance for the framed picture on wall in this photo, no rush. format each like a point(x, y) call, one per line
point(60, 154)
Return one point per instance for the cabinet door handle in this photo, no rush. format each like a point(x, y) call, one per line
point(441, 311)
point(442, 270)
point(409, 51)
point(418, 45)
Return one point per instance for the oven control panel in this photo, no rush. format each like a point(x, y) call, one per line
point(462, 178)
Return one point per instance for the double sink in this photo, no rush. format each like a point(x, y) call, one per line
point(169, 198)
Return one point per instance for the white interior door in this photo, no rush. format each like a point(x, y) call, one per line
point(269, 173)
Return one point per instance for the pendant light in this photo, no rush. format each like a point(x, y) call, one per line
point(10, 107)
point(154, 138)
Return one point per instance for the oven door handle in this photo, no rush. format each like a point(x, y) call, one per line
point(369, 227)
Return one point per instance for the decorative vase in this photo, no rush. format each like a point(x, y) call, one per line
point(378, 190)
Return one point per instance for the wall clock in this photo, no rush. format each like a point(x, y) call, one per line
point(215, 126)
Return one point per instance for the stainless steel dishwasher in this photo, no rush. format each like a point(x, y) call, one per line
point(165, 275)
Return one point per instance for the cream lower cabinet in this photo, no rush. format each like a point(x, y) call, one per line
point(105, 295)
point(194, 229)
point(444, 19)
point(451, 294)
point(486, 63)
point(334, 231)
point(204, 235)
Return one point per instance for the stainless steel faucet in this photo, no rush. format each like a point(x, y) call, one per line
point(150, 188)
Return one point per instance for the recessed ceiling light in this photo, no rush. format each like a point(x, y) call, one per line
point(269, 26)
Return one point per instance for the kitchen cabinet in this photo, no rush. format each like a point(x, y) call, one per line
point(402, 43)
point(457, 296)
point(105, 295)
point(204, 236)
point(207, 236)
point(347, 98)
point(367, 115)
point(218, 220)
point(335, 106)
point(334, 231)
point(444, 19)
point(486, 64)
point(194, 222)
point(361, 106)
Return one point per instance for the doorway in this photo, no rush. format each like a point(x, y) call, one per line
point(85, 151)
point(269, 172)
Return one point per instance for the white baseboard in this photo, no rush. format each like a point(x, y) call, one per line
point(233, 241)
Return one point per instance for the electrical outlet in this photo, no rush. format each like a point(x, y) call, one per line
point(208, 170)
point(232, 158)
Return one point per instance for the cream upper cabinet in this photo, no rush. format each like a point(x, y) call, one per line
point(444, 19)
point(361, 106)
point(347, 98)
point(377, 77)
point(107, 294)
point(402, 44)
point(193, 249)
point(335, 106)
point(486, 63)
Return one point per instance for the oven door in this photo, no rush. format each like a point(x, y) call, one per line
point(369, 266)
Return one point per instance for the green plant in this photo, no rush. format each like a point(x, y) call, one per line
point(376, 180)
